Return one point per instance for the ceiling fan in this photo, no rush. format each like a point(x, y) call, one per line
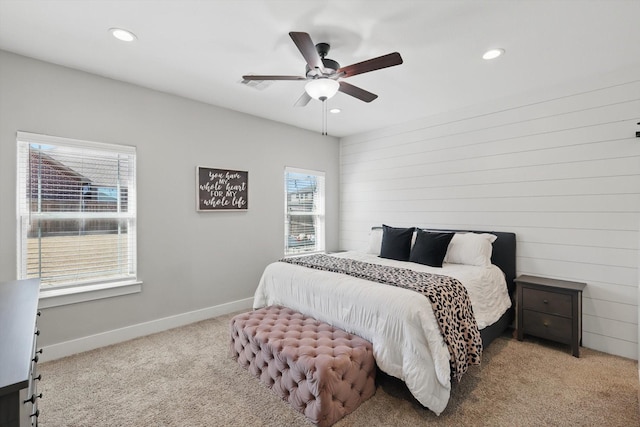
point(323, 73)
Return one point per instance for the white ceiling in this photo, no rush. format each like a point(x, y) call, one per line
point(200, 49)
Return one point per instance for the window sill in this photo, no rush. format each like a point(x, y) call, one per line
point(304, 253)
point(65, 296)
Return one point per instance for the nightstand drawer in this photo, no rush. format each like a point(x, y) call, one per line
point(547, 326)
point(547, 302)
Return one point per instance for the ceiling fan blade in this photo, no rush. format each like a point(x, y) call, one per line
point(303, 100)
point(254, 77)
point(384, 61)
point(307, 49)
point(356, 92)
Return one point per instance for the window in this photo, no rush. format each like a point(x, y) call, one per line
point(76, 211)
point(304, 211)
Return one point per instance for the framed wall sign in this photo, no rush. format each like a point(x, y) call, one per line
point(221, 190)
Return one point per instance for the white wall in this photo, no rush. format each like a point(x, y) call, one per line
point(187, 260)
point(560, 168)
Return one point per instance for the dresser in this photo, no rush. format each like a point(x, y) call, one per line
point(18, 355)
point(550, 309)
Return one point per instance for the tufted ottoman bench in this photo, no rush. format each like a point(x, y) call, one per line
point(322, 371)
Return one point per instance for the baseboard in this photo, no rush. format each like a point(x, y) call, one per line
point(67, 348)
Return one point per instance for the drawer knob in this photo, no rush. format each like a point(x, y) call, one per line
point(36, 414)
point(38, 378)
point(545, 301)
point(545, 323)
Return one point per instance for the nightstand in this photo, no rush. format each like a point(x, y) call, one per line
point(550, 309)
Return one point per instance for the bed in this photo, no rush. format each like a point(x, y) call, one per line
point(400, 323)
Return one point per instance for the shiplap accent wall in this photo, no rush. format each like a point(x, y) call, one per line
point(561, 170)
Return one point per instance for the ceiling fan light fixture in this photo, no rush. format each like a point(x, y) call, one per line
point(322, 89)
point(493, 53)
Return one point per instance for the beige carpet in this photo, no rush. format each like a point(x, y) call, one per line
point(185, 377)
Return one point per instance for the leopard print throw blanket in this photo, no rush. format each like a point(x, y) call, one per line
point(449, 299)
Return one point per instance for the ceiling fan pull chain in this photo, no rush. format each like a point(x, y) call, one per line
point(324, 117)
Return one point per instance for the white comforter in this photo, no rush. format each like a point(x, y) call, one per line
point(400, 323)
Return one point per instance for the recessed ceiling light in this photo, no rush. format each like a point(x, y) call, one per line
point(335, 110)
point(493, 54)
point(124, 35)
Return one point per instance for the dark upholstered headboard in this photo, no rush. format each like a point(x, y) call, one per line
point(503, 254)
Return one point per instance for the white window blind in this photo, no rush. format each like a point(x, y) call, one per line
point(304, 211)
point(76, 211)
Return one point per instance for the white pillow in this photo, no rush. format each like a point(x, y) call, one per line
point(470, 249)
point(375, 241)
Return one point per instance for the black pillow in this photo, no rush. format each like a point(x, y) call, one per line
point(396, 243)
point(430, 248)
